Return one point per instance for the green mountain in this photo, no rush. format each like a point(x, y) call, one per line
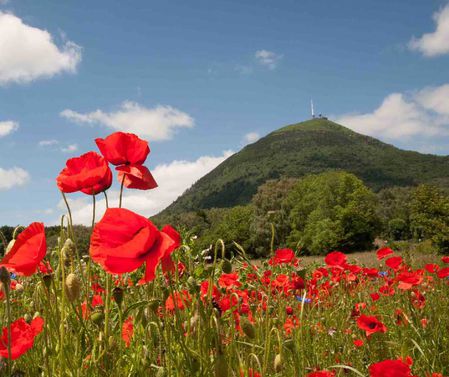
point(312, 146)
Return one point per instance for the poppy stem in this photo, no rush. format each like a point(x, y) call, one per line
point(8, 315)
point(121, 191)
point(106, 198)
point(93, 212)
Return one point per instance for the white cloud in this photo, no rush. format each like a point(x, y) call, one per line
point(70, 148)
point(173, 179)
point(13, 177)
point(47, 143)
point(7, 127)
point(437, 42)
point(268, 58)
point(251, 137)
point(157, 123)
point(424, 113)
point(28, 53)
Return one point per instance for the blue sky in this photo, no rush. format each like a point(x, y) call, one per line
point(200, 79)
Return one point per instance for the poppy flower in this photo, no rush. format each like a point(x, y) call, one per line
point(177, 300)
point(22, 337)
point(408, 280)
point(136, 177)
point(335, 259)
point(390, 368)
point(443, 273)
point(382, 253)
point(123, 240)
point(128, 331)
point(28, 251)
point(282, 256)
point(370, 324)
point(394, 262)
point(88, 173)
point(122, 148)
point(166, 261)
point(229, 280)
point(445, 259)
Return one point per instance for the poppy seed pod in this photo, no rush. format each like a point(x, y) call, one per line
point(97, 317)
point(117, 293)
point(72, 287)
point(248, 328)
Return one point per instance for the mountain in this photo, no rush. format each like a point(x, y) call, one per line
point(312, 146)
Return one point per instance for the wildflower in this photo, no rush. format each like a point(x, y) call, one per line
point(370, 324)
point(128, 331)
point(88, 173)
point(136, 177)
point(394, 262)
point(335, 259)
point(122, 148)
point(123, 240)
point(28, 251)
point(390, 368)
point(22, 337)
point(443, 273)
point(282, 256)
point(382, 253)
point(177, 300)
point(321, 373)
point(358, 342)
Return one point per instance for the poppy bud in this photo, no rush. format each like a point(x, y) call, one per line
point(111, 342)
point(36, 314)
point(27, 318)
point(97, 317)
point(226, 266)
point(10, 245)
point(5, 278)
point(68, 250)
point(72, 287)
point(19, 288)
point(117, 293)
point(248, 328)
point(47, 280)
point(221, 365)
point(192, 283)
point(278, 363)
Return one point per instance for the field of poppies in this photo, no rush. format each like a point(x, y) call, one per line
point(144, 301)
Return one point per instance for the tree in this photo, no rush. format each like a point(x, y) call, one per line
point(429, 216)
point(332, 210)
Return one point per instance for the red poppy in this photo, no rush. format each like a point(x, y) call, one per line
point(321, 373)
point(358, 342)
point(166, 261)
point(128, 331)
point(89, 173)
point(407, 280)
point(445, 259)
point(22, 337)
point(370, 324)
point(390, 368)
point(122, 148)
point(123, 240)
point(394, 262)
point(382, 253)
point(443, 273)
point(28, 251)
point(335, 259)
point(282, 256)
point(177, 300)
point(136, 177)
point(229, 280)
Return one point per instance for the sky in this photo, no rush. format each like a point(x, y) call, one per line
point(201, 79)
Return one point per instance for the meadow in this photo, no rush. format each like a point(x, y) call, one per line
point(144, 301)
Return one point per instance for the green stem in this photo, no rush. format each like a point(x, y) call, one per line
point(8, 315)
point(93, 212)
point(121, 191)
point(106, 198)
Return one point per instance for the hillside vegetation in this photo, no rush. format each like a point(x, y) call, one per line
point(313, 146)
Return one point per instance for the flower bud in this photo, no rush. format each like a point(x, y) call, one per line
point(68, 250)
point(72, 287)
point(226, 266)
point(117, 293)
point(27, 318)
point(248, 328)
point(5, 278)
point(97, 317)
point(278, 362)
point(9, 247)
point(47, 280)
point(19, 288)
